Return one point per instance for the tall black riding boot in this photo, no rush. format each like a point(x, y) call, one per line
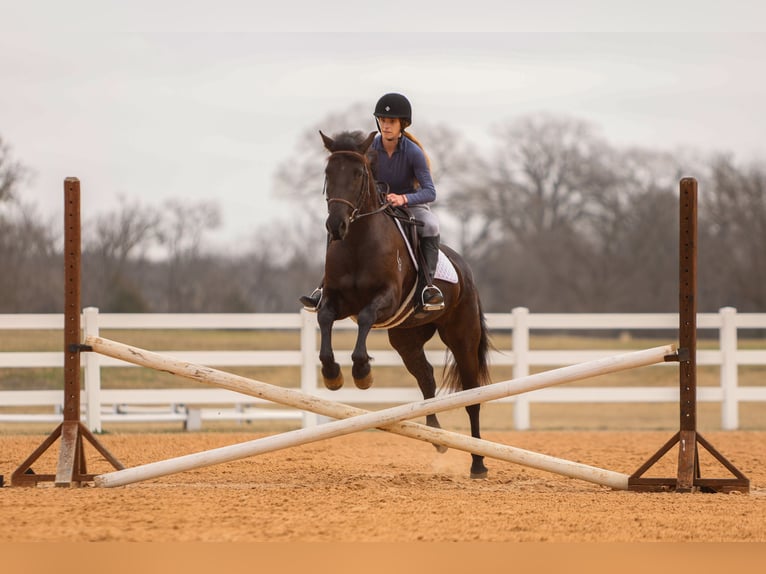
point(311, 302)
point(432, 297)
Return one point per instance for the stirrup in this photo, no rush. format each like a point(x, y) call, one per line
point(311, 302)
point(432, 298)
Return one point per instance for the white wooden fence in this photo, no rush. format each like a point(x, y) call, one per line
point(192, 406)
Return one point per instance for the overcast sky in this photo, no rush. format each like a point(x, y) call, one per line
point(158, 100)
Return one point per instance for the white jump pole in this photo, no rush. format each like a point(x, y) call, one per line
point(358, 419)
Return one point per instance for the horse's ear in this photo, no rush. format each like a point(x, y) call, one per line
point(328, 141)
point(366, 143)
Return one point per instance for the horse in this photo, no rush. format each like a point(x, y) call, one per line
point(369, 277)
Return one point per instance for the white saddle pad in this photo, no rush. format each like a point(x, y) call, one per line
point(445, 270)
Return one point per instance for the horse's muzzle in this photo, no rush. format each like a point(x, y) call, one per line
point(337, 227)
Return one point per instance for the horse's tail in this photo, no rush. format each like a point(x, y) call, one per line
point(452, 381)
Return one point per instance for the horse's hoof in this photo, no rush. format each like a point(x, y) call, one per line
point(479, 474)
point(334, 384)
point(440, 448)
point(364, 383)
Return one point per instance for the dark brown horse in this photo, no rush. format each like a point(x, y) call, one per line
point(369, 276)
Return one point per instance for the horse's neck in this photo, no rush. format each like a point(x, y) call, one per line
point(372, 239)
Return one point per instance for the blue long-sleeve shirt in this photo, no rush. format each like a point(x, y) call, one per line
point(401, 170)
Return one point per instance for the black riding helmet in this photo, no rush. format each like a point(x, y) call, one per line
point(394, 106)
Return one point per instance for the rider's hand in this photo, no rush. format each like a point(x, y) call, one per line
point(396, 200)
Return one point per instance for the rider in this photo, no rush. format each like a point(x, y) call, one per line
point(403, 166)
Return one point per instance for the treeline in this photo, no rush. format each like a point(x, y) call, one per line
point(550, 215)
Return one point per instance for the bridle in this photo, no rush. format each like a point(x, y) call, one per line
point(364, 191)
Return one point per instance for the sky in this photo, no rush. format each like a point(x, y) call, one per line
point(150, 101)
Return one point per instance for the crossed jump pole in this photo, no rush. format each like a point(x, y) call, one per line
point(352, 419)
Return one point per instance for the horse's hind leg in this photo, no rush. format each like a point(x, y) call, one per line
point(409, 344)
point(478, 470)
point(465, 352)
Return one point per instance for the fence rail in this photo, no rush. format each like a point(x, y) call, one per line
point(192, 406)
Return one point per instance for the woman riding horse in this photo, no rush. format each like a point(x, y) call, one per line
point(369, 277)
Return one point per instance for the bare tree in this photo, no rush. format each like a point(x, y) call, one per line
point(32, 281)
point(532, 198)
point(12, 173)
point(113, 244)
point(181, 234)
point(547, 173)
point(735, 234)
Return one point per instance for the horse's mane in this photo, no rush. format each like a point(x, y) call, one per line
point(349, 140)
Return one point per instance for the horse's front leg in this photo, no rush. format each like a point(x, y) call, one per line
point(331, 373)
point(361, 370)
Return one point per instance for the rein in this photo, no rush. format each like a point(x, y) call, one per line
point(364, 192)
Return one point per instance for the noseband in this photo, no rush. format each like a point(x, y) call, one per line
point(363, 192)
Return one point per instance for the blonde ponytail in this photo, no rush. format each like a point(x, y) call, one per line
point(414, 140)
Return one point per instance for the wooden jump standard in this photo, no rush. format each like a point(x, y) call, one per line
point(355, 420)
point(71, 469)
point(688, 478)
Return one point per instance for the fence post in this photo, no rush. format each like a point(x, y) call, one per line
point(729, 371)
point(520, 341)
point(308, 363)
point(92, 373)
